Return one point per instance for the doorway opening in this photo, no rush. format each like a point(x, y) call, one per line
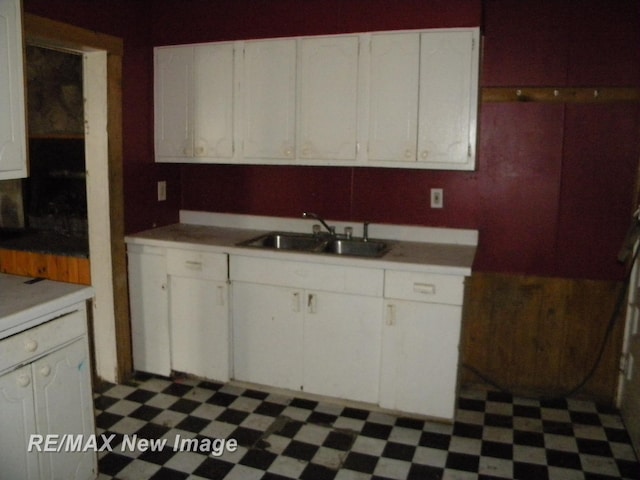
point(102, 93)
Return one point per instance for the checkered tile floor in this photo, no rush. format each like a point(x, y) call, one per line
point(280, 437)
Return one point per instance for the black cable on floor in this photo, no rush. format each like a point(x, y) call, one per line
point(612, 322)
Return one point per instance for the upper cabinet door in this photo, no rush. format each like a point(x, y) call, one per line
point(13, 137)
point(328, 98)
point(269, 99)
point(214, 95)
point(448, 99)
point(173, 99)
point(393, 97)
point(194, 102)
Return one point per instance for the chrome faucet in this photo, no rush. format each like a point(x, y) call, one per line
point(365, 232)
point(331, 230)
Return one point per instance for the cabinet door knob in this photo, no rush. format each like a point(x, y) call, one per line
point(408, 153)
point(45, 370)
point(24, 380)
point(424, 154)
point(30, 345)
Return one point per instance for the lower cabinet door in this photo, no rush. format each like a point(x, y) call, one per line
point(342, 345)
point(64, 405)
point(17, 423)
point(199, 324)
point(149, 312)
point(267, 334)
point(420, 358)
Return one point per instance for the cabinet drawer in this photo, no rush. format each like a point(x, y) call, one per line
point(285, 273)
point(424, 287)
point(195, 264)
point(20, 348)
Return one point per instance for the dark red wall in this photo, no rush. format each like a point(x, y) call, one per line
point(552, 194)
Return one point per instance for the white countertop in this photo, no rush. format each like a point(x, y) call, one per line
point(26, 302)
point(446, 251)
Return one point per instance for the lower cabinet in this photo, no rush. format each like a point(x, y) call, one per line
point(307, 339)
point(267, 335)
point(179, 311)
point(341, 337)
point(199, 327)
point(420, 358)
point(51, 395)
point(420, 341)
point(149, 305)
point(388, 337)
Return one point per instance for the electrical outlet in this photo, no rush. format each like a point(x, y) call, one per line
point(437, 198)
point(162, 190)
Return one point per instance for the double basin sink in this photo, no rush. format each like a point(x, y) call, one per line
point(311, 243)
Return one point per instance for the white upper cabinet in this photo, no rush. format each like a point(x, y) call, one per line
point(393, 104)
point(328, 98)
point(403, 99)
point(423, 99)
point(13, 138)
point(172, 102)
point(213, 106)
point(448, 99)
point(269, 99)
point(194, 102)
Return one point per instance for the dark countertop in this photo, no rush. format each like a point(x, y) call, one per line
point(45, 242)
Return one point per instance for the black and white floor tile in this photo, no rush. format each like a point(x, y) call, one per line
point(279, 437)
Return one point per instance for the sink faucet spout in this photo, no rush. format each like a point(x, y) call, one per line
point(317, 217)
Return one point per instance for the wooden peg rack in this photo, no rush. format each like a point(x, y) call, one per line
point(561, 94)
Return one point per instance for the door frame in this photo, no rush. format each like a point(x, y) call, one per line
point(103, 119)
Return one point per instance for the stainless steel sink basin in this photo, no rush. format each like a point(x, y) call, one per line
point(318, 244)
point(356, 247)
point(287, 241)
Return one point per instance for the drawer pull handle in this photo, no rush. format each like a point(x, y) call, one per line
point(193, 265)
point(426, 288)
point(30, 345)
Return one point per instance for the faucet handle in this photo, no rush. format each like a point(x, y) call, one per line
point(348, 232)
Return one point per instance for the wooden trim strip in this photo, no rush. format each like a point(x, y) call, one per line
point(561, 94)
point(40, 30)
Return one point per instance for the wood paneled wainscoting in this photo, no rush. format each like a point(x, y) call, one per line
point(541, 337)
point(52, 267)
